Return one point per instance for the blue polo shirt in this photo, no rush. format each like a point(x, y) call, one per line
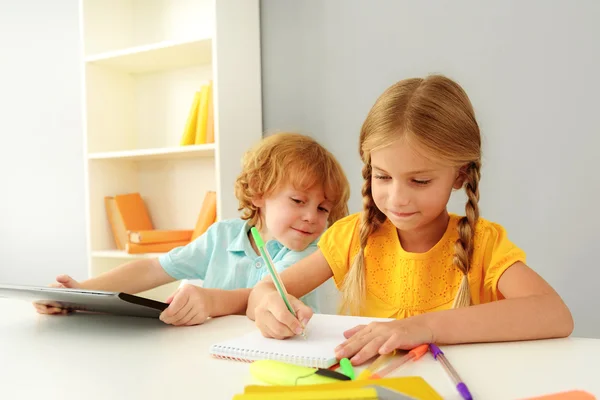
point(223, 258)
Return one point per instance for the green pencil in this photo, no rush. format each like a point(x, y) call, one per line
point(273, 272)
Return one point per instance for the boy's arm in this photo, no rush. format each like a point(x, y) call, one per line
point(132, 277)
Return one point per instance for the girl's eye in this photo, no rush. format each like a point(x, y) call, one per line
point(421, 182)
point(381, 177)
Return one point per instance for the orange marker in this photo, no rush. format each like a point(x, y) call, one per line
point(381, 360)
point(414, 354)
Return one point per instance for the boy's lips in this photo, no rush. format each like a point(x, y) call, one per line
point(307, 233)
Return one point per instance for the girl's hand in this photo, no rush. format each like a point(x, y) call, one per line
point(189, 305)
point(275, 320)
point(62, 281)
point(366, 341)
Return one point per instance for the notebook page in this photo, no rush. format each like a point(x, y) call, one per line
point(323, 334)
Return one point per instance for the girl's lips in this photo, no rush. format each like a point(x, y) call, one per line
point(402, 215)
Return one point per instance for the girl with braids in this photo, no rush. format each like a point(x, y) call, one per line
point(444, 278)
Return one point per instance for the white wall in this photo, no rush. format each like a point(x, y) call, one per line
point(42, 229)
point(531, 70)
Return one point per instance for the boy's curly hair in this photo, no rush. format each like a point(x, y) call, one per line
point(290, 158)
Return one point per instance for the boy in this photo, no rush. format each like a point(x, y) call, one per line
point(290, 188)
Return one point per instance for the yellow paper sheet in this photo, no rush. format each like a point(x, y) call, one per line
point(413, 386)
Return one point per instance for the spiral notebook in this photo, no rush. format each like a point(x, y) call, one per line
point(323, 334)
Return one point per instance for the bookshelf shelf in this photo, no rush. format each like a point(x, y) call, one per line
point(156, 57)
point(143, 62)
point(167, 153)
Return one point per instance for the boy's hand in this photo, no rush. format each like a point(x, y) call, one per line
point(189, 305)
point(62, 281)
point(366, 341)
point(274, 319)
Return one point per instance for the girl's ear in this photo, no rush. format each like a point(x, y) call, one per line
point(461, 176)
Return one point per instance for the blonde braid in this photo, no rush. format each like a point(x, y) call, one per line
point(354, 286)
point(466, 228)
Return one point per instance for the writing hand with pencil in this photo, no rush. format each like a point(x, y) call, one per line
point(365, 341)
point(275, 320)
point(279, 315)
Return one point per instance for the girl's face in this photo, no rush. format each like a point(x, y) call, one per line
point(294, 217)
point(410, 189)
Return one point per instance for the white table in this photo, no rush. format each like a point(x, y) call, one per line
point(108, 357)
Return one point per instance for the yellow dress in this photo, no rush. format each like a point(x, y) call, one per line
point(402, 284)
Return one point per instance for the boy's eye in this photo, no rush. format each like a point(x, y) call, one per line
point(297, 201)
point(323, 209)
point(421, 182)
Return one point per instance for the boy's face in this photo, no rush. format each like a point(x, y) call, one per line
point(409, 188)
point(294, 217)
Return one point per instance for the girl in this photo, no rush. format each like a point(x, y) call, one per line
point(444, 278)
point(290, 188)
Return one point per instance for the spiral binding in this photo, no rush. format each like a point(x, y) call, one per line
point(248, 356)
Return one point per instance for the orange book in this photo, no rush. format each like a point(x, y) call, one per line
point(133, 211)
point(134, 248)
point(210, 122)
point(208, 214)
point(159, 236)
point(116, 222)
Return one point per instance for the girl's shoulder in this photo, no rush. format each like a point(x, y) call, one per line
point(485, 229)
point(352, 219)
point(344, 226)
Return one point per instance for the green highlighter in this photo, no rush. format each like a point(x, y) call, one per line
point(273, 272)
point(347, 368)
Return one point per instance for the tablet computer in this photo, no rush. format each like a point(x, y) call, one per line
point(87, 300)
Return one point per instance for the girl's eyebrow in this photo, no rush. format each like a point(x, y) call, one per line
point(415, 172)
point(379, 169)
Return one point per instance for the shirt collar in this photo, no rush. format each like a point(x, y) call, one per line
point(241, 243)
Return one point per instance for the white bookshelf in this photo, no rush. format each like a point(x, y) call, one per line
point(164, 153)
point(142, 62)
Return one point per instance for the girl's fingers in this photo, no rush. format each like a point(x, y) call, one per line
point(303, 311)
point(394, 342)
point(351, 332)
point(368, 350)
point(286, 318)
point(270, 326)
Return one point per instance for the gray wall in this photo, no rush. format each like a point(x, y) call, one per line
point(42, 203)
point(531, 70)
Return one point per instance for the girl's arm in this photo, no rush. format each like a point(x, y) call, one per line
point(531, 310)
point(264, 304)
